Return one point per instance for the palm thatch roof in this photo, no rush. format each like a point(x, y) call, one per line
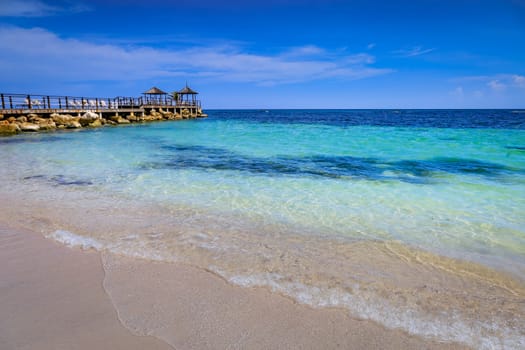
point(155, 91)
point(188, 90)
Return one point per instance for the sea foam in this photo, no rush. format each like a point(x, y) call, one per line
point(73, 240)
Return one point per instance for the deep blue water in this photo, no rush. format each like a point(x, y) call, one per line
point(436, 118)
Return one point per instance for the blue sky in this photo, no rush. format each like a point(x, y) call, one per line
point(271, 54)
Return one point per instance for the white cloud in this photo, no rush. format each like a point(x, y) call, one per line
point(414, 51)
point(40, 54)
point(305, 50)
point(518, 80)
point(371, 46)
point(36, 8)
point(496, 85)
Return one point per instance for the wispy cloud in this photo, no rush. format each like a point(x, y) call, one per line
point(518, 80)
point(38, 8)
point(496, 85)
point(371, 46)
point(412, 52)
point(41, 54)
point(495, 81)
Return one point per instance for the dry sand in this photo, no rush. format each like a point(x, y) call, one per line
point(54, 297)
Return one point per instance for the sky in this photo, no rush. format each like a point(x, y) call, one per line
point(271, 53)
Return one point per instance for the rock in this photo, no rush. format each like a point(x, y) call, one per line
point(123, 121)
point(88, 118)
point(38, 120)
point(114, 118)
point(10, 128)
point(74, 124)
point(29, 127)
point(132, 118)
point(149, 118)
point(11, 119)
point(21, 119)
point(32, 116)
point(168, 115)
point(47, 124)
point(61, 119)
point(96, 123)
point(92, 115)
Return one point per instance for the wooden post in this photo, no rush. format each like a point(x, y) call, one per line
point(48, 103)
point(29, 101)
point(96, 100)
point(3, 103)
point(59, 103)
point(11, 102)
point(67, 103)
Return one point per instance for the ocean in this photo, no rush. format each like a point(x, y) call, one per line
point(411, 218)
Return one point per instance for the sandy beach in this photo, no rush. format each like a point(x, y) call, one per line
point(54, 297)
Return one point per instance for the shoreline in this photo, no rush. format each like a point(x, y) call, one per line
point(204, 310)
point(146, 314)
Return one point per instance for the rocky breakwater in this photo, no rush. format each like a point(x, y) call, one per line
point(35, 122)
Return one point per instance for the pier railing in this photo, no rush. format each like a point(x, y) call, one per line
point(49, 102)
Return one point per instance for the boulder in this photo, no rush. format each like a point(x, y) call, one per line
point(121, 120)
point(10, 128)
point(38, 120)
point(47, 124)
point(22, 119)
point(11, 119)
point(92, 115)
point(96, 123)
point(61, 119)
point(132, 118)
point(29, 127)
point(88, 118)
point(168, 115)
point(73, 124)
point(149, 118)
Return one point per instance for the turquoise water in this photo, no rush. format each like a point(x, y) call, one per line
point(450, 183)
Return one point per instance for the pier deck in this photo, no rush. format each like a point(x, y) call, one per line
point(20, 104)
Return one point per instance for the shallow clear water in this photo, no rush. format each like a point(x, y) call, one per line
point(307, 183)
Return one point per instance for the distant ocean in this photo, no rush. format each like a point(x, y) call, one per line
point(412, 218)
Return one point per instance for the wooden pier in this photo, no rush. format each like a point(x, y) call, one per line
point(155, 104)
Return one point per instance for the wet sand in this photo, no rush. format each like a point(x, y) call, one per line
point(54, 297)
point(51, 297)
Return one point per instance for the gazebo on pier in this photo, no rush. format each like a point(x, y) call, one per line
point(155, 96)
point(187, 97)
